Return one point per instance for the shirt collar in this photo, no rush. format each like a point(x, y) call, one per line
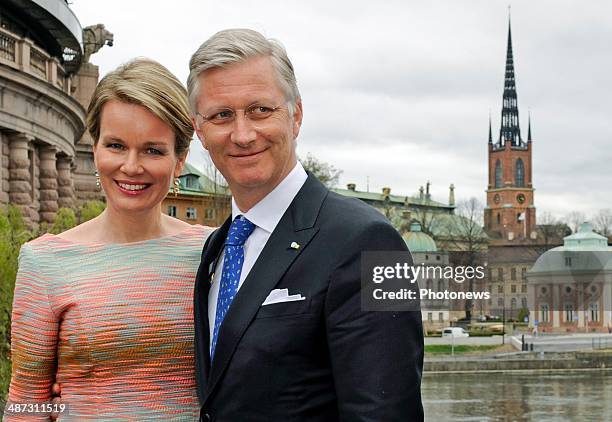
point(267, 213)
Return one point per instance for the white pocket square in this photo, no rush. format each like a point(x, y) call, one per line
point(281, 295)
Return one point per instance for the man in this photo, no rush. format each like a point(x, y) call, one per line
point(279, 330)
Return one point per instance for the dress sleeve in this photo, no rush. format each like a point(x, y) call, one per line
point(34, 336)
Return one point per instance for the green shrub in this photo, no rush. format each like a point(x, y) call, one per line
point(89, 210)
point(13, 234)
point(64, 219)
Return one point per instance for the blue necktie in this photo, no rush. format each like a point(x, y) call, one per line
point(238, 233)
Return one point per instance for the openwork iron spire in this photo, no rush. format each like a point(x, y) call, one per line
point(510, 130)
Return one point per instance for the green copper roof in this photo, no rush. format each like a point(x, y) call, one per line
point(583, 251)
point(204, 185)
point(417, 241)
point(585, 239)
point(393, 199)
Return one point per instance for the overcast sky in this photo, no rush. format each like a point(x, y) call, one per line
point(399, 92)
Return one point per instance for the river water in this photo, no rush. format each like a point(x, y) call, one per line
point(575, 396)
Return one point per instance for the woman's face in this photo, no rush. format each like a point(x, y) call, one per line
point(135, 157)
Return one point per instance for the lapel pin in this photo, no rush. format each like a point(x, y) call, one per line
point(295, 245)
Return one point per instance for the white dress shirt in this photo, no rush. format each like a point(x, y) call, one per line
point(265, 215)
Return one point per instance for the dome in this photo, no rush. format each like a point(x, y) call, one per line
point(417, 241)
point(583, 251)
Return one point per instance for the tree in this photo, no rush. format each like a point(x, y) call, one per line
point(325, 172)
point(427, 219)
point(551, 230)
point(213, 174)
point(602, 221)
point(463, 233)
point(574, 220)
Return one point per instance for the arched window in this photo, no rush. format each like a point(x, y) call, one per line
point(520, 173)
point(498, 219)
point(498, 174)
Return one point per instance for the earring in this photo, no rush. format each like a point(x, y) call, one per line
point(176, 187)
point(98, 184)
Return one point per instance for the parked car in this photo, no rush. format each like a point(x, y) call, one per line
point(454, 332)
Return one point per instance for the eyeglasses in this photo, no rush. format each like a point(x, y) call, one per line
point(223, 117)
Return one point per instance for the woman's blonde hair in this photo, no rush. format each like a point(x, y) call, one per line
point(147, 83)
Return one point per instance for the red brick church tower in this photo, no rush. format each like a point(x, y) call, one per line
point(510, 213)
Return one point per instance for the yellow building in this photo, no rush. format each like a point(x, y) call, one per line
point(199, 200)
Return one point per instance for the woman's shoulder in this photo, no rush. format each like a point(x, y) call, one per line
point(195, 234)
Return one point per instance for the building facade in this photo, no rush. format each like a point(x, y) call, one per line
point(510, 211)
point(199, 199)
point(570, 286)
point(45, 85)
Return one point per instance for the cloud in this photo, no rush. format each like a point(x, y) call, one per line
point(399, 92)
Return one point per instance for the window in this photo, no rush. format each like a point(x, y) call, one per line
point(594, 311)
point(191, 182)
point(429, 317)
point(544, 312)
point(513, 274)
point(498, 218)
point(569, 312)
point(513, 288)
point(429, 284)
point(498, 174)
point(440, 285)
point(172, 210)
point(513, 303)
point(500, 288)
point(520, 173)
point(440, 317)
point(209, 213)
point(524, 302)
point(523, 288)
point(523, 273)
point(568, 261)
point(500, 302)
point(191, 213)
point(490, 274)
point(500, 274)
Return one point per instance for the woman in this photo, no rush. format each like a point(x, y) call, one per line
point(105, 309)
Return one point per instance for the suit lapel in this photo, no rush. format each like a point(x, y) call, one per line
point(296, 225)
point(202, 288)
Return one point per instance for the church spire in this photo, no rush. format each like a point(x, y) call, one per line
point(529, 128)
point(490, 132)
point(510, 130)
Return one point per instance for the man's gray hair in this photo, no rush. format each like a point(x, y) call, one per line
point(236, 45)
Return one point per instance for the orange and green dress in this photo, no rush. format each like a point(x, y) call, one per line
point(112, 323)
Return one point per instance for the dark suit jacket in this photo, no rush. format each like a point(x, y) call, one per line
point(320, 359)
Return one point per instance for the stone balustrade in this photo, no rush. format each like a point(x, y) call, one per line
point(20, 53)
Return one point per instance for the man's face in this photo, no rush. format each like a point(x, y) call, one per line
point(253, 154)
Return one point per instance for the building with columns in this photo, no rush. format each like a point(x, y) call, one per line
point(570, 286)
point(45, 86)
